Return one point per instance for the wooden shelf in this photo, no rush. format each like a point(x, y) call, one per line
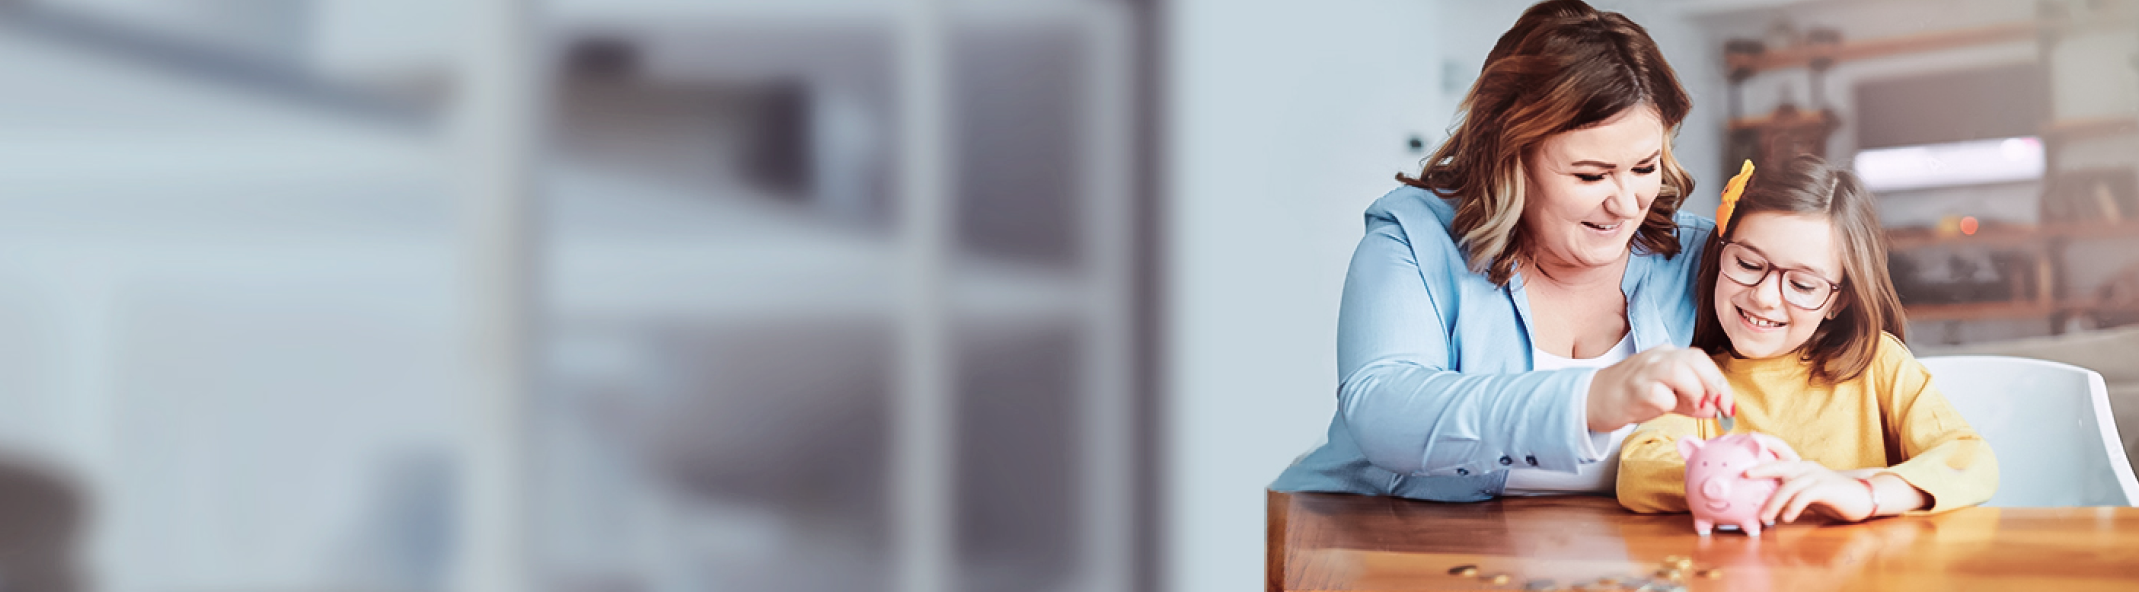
point(2029, 30)
point(2009, 236)
point(1976, 311)
point(1799, 57)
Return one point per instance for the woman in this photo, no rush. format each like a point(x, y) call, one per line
point(1488, 336)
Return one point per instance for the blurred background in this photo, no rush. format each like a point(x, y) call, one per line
point(676, 295)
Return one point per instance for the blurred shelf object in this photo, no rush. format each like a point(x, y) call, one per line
point(2072, 129)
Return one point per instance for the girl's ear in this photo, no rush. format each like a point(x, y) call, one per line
point(1841, 301)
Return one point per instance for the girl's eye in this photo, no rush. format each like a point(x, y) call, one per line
point(1645, 170)
point(1749, 265)
point(1589, 178)
point(1803, 287)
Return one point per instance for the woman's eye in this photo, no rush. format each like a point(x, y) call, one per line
point(1645, 170)
point(1589, 178)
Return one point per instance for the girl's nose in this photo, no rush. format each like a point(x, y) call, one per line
point(1769, 298)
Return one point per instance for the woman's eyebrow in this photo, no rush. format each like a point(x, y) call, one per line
point(1606, 165)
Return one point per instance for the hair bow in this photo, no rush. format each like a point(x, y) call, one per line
point(1731, 191)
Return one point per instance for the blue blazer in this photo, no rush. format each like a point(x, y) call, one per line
point(1435, 394)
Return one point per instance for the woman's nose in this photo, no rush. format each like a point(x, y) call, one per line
point(1623, 203)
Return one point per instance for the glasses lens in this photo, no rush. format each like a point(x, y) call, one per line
point(1742, 266)
point(1805, 290)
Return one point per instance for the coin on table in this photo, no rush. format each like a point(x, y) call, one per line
point(1497, 579)
point(1711, 573)
point(1539, 585)
point(1683, 563)
point(1463, 570)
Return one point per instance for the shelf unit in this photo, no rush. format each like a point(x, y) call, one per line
point(1790, 131)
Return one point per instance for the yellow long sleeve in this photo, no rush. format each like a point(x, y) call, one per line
point(1945, 457)
point(1890, 417)
point(1652, 475)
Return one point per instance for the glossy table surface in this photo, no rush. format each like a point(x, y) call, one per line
point(1349, 542)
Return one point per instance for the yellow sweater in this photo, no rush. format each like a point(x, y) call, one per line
point(1889, 416)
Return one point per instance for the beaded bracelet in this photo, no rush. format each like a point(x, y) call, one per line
point(1874, 491)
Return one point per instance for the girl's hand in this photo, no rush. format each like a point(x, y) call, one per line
point(1655, 382)
point(1808, 486)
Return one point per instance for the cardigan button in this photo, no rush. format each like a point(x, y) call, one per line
point(1463, 472)
point(1532, 459)
point(1505, 461)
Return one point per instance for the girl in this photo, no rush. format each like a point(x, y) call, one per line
point(1798, 312)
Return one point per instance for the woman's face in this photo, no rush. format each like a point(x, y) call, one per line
point(1761, 319)
point(1588, 189)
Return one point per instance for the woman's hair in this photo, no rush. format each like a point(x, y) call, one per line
point(1844, 345)
point(1564, 66)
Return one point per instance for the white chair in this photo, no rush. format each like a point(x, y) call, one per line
point(2049, 424)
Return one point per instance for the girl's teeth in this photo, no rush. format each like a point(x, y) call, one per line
point(1757, 321)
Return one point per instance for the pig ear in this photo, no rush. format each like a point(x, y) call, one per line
point(1689, 445)
point(1773, 445)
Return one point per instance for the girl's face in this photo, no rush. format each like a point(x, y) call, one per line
point(1587, 190)
point(1794, 267)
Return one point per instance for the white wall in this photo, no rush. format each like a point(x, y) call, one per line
point(1285, 121)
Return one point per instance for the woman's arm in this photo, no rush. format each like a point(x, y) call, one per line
point(1412, 412)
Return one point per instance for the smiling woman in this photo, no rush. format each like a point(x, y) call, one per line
point(1525, 299)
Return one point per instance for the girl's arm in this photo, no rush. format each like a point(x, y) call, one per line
point(1942, 456)
point(1652, 475)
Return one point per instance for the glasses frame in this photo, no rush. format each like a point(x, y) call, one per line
point(1771, 268)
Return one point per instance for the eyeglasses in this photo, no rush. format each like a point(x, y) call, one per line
point(1801, 288)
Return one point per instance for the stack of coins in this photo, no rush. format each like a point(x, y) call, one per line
point(1670, 575)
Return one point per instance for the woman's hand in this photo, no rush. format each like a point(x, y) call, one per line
point(1655, 382)
point(1808, 486)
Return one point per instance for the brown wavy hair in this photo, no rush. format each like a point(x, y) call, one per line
point(1564, 66)
point(1843, 346)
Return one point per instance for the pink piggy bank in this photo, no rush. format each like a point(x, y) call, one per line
point(1716, 488)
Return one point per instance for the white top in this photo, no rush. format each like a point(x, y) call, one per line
point(1599, 471)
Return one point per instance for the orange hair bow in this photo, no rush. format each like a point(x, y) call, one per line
point(1731, 191)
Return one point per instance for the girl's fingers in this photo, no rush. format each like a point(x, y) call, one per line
point(1798, 503)
point(1771, 511)
point(1781, 469)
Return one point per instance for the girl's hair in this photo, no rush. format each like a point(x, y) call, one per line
point(1564, 66)
point(1843, 346)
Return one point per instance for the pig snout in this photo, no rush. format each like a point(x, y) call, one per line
point(1717, 490)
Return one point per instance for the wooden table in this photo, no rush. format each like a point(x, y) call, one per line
point(1349, 542)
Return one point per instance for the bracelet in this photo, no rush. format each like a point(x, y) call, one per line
point(1874, 491)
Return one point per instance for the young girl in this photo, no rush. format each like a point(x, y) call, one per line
point(1797, 309)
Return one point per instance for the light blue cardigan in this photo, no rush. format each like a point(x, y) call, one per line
point(1435, 393)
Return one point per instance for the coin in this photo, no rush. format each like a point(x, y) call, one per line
point(1497, 579)
point(1711, 573)
point(1539, 585)
point(1683, 563)
point(1463, 570)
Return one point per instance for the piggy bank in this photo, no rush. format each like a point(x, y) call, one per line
point(1717, 490)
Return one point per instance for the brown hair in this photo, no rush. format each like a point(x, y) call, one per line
point(1564, 66)
point(1843, 346)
